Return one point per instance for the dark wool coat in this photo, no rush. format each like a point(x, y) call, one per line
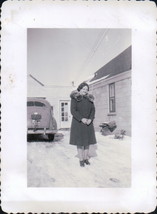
point(82, 107)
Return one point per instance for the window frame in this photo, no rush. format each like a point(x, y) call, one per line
point(64, 116)
point(112, 99)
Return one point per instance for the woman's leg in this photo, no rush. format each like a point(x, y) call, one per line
point(80, 150)
point(86, 151)
point(86, 157)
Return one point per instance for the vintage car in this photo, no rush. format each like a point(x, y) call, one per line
point(40, 119)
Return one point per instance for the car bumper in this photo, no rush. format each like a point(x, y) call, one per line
point(41, 131)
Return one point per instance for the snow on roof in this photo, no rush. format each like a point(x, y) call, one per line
point(119, 64)
point(97, 80)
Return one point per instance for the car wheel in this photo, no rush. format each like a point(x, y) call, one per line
point(32, 137)
point(29, 137)
point(51, 137)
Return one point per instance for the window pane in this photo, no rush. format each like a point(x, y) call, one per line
point(30, 103)
point(66, 113)
point(39, 104)
point(111, 89)
point(112, 107)
point(66, 108)
point(66, 118)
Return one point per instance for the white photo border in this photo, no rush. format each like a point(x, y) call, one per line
point(17, 16)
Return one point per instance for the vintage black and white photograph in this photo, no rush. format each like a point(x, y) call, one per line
point(78, 125)
point(79, 107)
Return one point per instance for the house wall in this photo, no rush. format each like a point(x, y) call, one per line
point(100, 91)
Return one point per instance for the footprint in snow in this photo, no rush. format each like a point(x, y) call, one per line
point(115, 180)
point(53, 179)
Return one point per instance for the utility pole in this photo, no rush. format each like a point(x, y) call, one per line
point(73, 84)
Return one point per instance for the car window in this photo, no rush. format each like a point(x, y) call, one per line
point(39, 104)
point(30, 103)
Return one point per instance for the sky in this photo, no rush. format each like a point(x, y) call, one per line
point(58, 57)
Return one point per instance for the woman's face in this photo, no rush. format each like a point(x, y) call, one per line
point(84, 90)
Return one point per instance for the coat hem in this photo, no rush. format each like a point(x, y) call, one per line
point(82, 145)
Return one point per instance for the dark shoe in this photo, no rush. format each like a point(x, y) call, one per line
point(82, 163)
point(87, 162)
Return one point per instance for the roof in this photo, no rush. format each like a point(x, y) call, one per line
point(40, 83)
point(39, 99)
point(118, 65)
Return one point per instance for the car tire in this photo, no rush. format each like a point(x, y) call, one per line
point(30, 137)
point(51, 137)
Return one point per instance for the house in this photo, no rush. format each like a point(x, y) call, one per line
point(111, 87)
point(58, 97)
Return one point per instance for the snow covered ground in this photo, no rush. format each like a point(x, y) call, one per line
point(55, 164)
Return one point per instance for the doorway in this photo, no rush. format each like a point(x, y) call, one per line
point(65, 115)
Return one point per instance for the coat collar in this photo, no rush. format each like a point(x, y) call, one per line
point(77, 96)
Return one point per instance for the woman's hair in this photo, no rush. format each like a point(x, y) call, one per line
point(82, 85)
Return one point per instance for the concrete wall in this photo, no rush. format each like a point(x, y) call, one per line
point(122, 116)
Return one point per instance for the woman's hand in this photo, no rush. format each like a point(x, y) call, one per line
point(84, 120)
point(88, 121)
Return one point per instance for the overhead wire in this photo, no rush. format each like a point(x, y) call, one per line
point(93, 50)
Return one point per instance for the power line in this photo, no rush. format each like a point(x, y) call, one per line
point(92, 50)
point(96, 45)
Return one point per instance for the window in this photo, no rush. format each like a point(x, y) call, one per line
point(64, 111)
point(30, 103)
point(112, 103)
point(36, 103)
point(39, 104)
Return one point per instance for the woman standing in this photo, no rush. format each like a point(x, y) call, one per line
point(82, 131)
